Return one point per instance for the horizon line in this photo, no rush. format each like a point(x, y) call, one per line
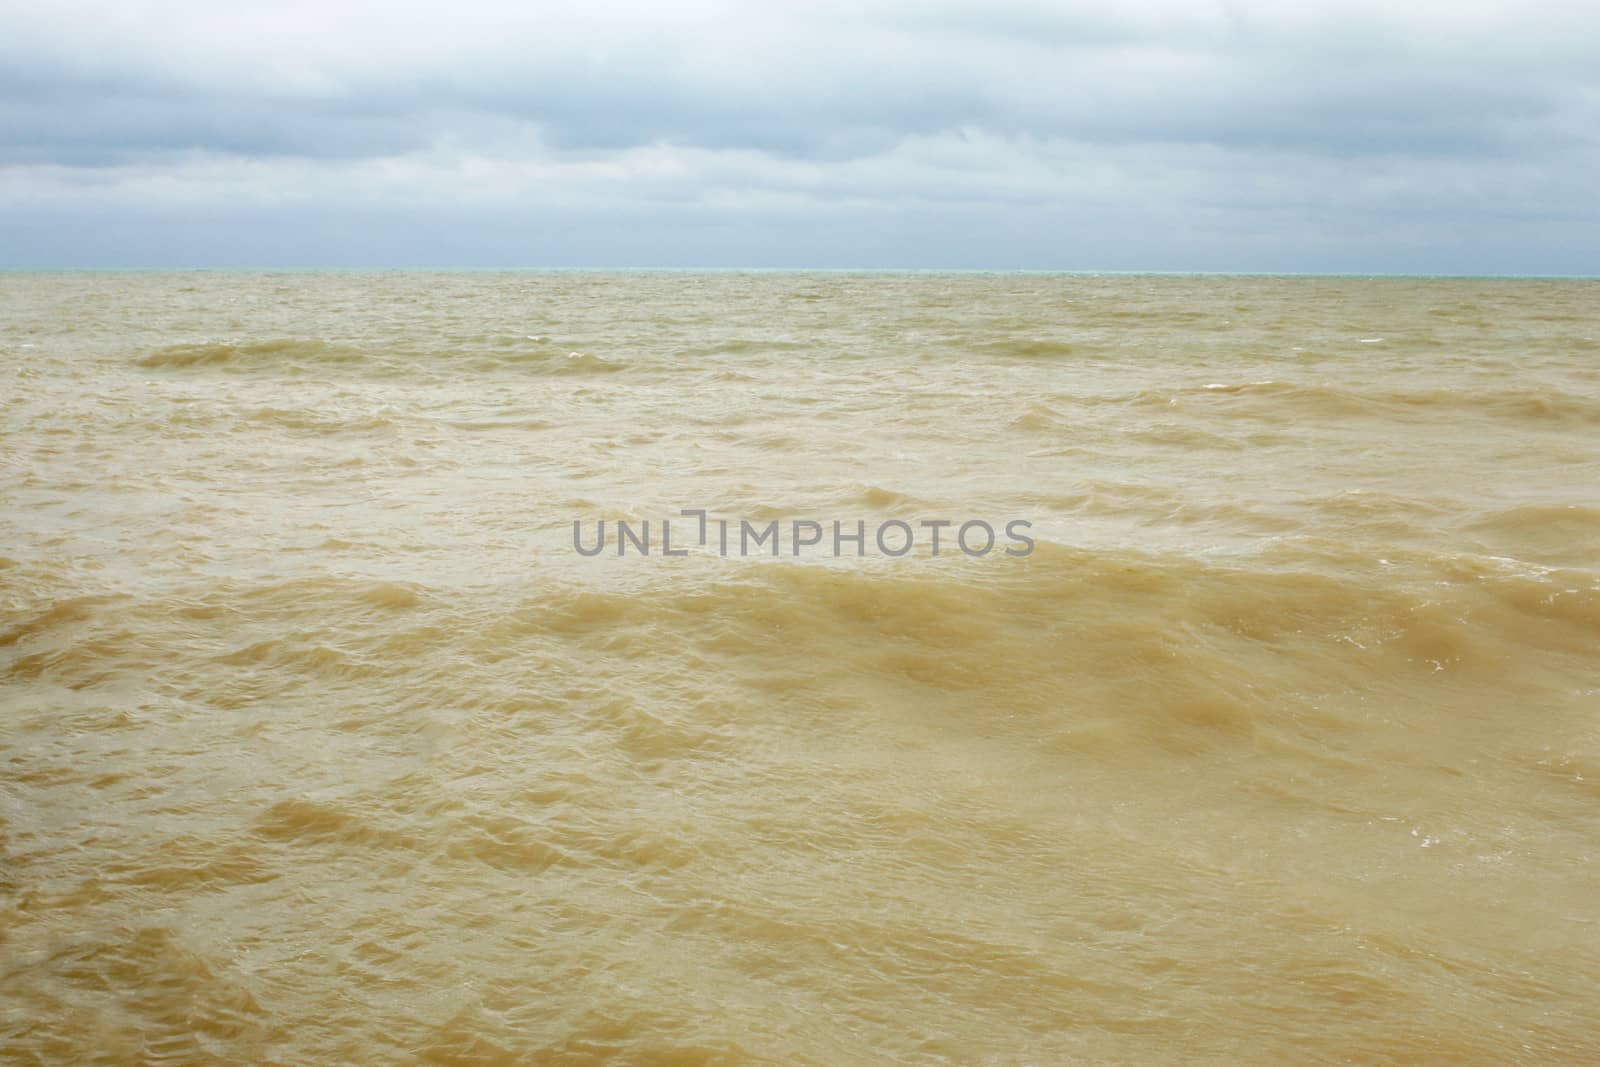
point(705, 269)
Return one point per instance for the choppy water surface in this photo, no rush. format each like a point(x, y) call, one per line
point(322, 745)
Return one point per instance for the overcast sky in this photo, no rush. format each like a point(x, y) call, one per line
point(1403, 136)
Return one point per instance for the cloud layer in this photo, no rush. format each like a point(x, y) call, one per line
point(1154, 134)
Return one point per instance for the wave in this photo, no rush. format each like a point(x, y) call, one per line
point(1161, 652)
point(322, 356)
point(1560, 534)
point(740, 346)
point(1010, 629)
point(1334, 399)
point(284, 352)
point(1025, 348)
point(407, 749)
point(317, 422)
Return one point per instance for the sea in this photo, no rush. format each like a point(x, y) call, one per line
point(671, 667)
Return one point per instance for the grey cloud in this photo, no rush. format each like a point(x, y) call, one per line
point(709, 117)
point(1086, 75)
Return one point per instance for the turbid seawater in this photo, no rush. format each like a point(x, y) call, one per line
point(322, 742)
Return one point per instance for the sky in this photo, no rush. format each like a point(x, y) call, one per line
point(1408, 136)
